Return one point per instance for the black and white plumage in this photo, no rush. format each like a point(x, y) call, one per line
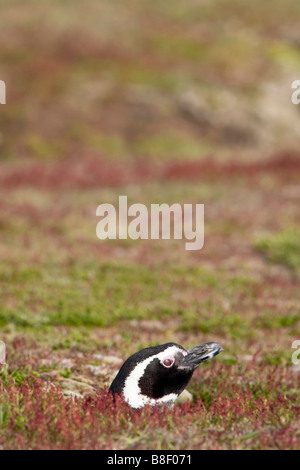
point(158, 374)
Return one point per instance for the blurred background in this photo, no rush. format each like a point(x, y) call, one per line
point(133, 80)
point(182, 101)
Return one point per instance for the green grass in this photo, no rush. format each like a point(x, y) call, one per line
point(85, 295)
point(170, 146)
point(283, 248)
point(99, 295)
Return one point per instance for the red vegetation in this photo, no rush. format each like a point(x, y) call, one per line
point(91, 171)
point(36, 415)
point(82, 173)
point(285, 163)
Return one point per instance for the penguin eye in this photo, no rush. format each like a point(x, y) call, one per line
point(168, 361)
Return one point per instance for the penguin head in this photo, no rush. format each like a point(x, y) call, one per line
point(158, 374)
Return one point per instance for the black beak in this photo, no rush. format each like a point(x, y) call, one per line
point(201, 353)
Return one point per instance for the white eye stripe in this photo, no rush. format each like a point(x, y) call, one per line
point(132, 391)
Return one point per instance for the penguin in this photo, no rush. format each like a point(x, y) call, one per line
point(157, 375)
